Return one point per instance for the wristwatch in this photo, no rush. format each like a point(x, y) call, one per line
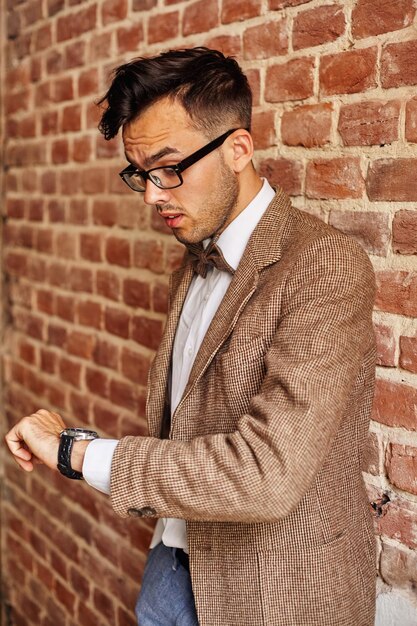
point(67, 438)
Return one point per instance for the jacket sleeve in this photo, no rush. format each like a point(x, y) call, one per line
point(260, 472)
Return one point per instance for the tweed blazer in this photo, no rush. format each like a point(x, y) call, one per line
point(264, 456)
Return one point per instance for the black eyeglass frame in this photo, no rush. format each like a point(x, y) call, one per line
point(178, 168)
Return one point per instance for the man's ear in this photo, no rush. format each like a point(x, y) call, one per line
point(240, 150)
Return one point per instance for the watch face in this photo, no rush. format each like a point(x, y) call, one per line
point(80, 433)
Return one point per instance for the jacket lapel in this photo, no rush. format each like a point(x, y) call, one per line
point(263, 249)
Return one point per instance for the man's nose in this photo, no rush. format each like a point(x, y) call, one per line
point(155, 195)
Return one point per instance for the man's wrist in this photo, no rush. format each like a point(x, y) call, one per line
point(77, 454)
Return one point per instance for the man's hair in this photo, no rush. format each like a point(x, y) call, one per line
point(210, 86)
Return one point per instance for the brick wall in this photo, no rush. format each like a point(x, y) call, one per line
point(335, 123)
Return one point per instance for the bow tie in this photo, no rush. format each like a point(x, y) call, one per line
point(212, 256)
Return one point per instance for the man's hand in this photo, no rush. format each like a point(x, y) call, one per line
point(35, 439)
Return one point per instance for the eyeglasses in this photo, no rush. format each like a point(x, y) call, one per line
point(169, 176)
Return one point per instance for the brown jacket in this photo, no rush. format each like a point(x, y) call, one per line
point(264, 460)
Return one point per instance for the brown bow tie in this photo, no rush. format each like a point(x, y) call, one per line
point(202, 259)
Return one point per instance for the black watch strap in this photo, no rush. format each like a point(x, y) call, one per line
point(64, 458)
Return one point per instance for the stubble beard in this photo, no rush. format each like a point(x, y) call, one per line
point(215, 215)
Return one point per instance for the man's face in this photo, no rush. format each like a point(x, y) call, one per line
point(207, 201)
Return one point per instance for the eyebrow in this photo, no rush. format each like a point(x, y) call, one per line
point(151, 160)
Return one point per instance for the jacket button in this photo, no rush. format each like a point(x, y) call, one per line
point(145, 511)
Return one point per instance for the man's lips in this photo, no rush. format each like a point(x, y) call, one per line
point(172, 219)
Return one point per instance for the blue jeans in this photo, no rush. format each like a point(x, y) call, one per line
point(166, 597)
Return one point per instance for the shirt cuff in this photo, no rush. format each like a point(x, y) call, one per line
point(97, 463)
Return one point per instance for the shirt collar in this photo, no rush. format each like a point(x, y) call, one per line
point(233, 240)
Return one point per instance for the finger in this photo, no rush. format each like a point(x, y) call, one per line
point(25, 465)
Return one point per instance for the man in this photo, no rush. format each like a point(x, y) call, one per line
point(260, 392)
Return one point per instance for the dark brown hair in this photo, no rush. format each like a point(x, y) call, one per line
point(210, 86)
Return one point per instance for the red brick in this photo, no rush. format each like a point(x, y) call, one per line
point(113, 11)
point(145, 5)
point(54, 62)
point(308, 126)
point(71, 26)
point(284, 173)
point(79, 405)
point(338, 178)
point(399, 64)
point(369, 123)
point(91, 246)
point(65, 307)
point(75, 54)
point(69, 181)
point(17, 102)
point(136, 293)
point(147, 332)
point(348, 72)
point(118, 251)
point(54, 6)
point(108, 284)
point(80, 344)
point(200, 17)
point(401, 464)
point(48, 182)
point(43, 37)
point(66, 246)
point(97, 382)
point(88, 82)
point(135, 366)
point(107, 420)
point(104, 605)
point(124, 395)
point(27, 352)
point(56, 211)
point(117, 321)
point(63, 89)
point(81, 149)
point(371, 230)
point(266, 40)
point(394, 405)
point(149, 254)
point(318, 26)
point(398, 523)
point(107, 149)
point(160, 298)
point(71, 118)
point(129, 38)
point(230, 45)
point(50, 123)
point(106, 354)
point(404, 232)
point(89, 314)
point(411, 121)
point(57, 335)
point(100, 47)
point(163, 27)
point(408, 353)
point(78, 212)
point(374, 17)
point(396, 292)
point(385, 345)
point(70, 371)
point(290, 81)
point(392, 179)
point(263, 129)
point(233, 11)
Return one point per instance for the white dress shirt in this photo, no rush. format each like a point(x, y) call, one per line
point(203, 299)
